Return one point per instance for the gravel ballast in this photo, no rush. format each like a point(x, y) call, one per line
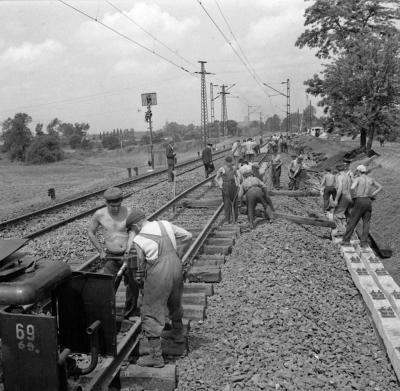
point(286, 316)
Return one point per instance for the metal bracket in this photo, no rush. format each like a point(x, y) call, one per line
point(381, 272)
point(374, 260)
point(396, 294)
point(362, 271)
point(377, 295)
point(355, 259)
point(387, 312)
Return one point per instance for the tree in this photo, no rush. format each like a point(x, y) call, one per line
point(53, 127)
point(44, 149)
point(335, 25)
point(232, 127)
point(111, 141)
point(39, 129)
point(17, 136)
point(360, 86)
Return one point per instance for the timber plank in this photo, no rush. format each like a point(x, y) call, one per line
point(306, 220)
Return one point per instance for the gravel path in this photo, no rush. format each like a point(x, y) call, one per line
point(286, 316)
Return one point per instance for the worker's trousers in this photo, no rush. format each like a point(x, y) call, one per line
point(328, 192)
point(255, 195)
point(276, 176)
point(362, 210)
point(132, 288)
point(163, 287)
point(230, 199)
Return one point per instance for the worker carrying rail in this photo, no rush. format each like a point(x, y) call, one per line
point(156, 247)
point(112, 219)
point(255, 191)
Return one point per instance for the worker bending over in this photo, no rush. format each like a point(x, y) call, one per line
point(363, 187)
point(254, 191)
point(156, 247)
point(112, 219)
point(228, 181)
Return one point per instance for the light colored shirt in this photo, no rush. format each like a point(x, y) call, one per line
point(221, 172)
point(150, 247)
point(248, 183)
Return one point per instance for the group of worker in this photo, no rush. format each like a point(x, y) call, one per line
point(349, 194)
point(158, 273)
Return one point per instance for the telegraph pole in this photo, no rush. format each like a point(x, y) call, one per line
point(288, 127)
point(224, 113)
point(204, 110)
point(250, 112)
point(212, 113)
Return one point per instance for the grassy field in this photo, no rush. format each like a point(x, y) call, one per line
point(24, 187)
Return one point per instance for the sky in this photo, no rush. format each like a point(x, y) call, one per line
point(58, 63)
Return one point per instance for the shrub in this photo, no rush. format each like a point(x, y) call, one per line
point(44, 149)
point(111, 142)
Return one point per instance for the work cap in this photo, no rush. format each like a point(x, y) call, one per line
point(229, 159)
point(361, 168)
point(134, 217)
point(209, 144)
point(113, 194)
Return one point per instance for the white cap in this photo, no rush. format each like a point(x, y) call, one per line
point(361, 168)
point(246, 169)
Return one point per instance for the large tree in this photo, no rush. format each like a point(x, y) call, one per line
point(17, 136)
point(359, 85)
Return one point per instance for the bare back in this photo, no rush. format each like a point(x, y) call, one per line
point(364, 187)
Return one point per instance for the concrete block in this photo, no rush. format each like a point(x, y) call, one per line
point(219, 242)
point(162, 379)
point(209, 262)
point(195, 298)
point(194, 312)
point(216, 250)
point(206, 288)
point(212, 256)
point(204, 274)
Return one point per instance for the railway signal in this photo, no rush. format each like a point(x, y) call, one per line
point(150, 99)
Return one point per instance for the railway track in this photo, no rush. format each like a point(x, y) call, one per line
point(37, 222)
point(200, 222)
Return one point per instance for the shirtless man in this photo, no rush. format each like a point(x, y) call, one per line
point(365, 189)
point(112, 219)
point(328, 183)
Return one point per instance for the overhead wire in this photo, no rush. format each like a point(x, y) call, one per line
point(129, 39)
point(234, 50)
point(175, 52)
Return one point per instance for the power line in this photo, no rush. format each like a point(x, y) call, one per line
point(175, 52)
point(128, 38)
point(237, 42)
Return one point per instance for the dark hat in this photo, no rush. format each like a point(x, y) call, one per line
point(134, 217)
point(229, 159)
point(210, 144)
point(113, 194)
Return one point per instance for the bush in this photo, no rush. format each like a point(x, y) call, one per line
point(44, 149)
point(111, 142)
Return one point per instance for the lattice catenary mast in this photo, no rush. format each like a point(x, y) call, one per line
point(204, 110)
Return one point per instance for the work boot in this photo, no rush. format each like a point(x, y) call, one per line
point(176, 333)
point(155, 358)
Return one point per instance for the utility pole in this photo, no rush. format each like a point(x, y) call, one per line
point(260, 122)
point(287, 96)
point(150, 99)
point(204, 110)
point(310, 114)
point(212, 104)
point(298, 120)
point(224, 113)
point(250, 112)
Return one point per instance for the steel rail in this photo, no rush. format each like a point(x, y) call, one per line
point(111, 366)
point(97, 192)
point(79, 215)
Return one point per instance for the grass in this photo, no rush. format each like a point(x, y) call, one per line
point(24, 187)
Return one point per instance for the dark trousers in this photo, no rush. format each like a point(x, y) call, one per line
point(132, 288)
point(276, 176)
point(229, 197)
point(328, 192)
point(255, 195)
point(362, 209)
point(294, 182)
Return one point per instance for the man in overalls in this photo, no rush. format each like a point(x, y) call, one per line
point(228, 181)
point(276, 168)
point(155, 244)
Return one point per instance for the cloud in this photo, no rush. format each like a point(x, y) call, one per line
point(28, 55)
